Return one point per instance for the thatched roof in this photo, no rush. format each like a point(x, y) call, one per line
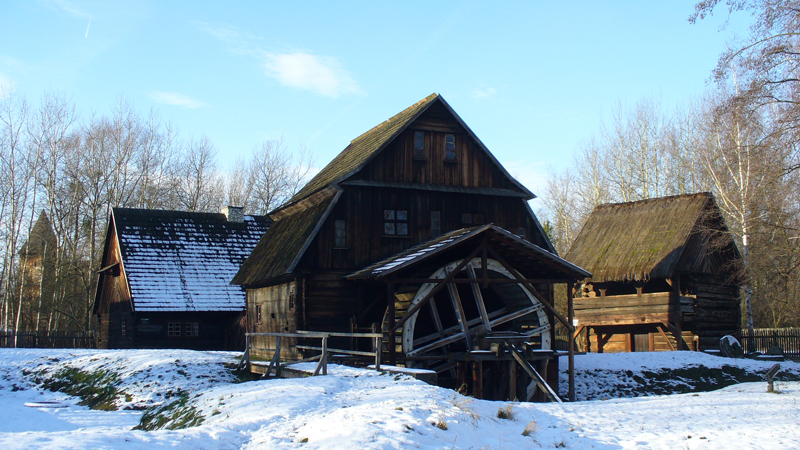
point(365, 147)
point(646, 239)
point(281, 247)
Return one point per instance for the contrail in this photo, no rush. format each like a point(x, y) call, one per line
point(87, 29)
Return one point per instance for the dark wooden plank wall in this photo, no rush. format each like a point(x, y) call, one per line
point(217, 330)
point(114, 302)
point(279, 306)
point(362, 209)
point(717, 310)
point(620, 342)
point(472, 166)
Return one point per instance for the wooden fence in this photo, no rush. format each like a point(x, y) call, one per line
point(761, 339)
point(56, 339)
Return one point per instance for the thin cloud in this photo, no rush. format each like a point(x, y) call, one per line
point(176, 99)
point(323, 75)
point(68, 7)
point(223, 33)
point(481, 93)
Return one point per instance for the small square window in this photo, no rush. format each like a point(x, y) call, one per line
point(388, 228)
point(402, 229)
point(173, 329)
point(388, 214)
point(192, 329)
point(449, 147)
point(466, 219)
point(402, 215)
point(521, 232)
point(395, 222)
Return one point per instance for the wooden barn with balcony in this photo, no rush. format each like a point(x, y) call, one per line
point(417, 233)
point(664, 276)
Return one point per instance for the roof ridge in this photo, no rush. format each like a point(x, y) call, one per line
point(657, 199)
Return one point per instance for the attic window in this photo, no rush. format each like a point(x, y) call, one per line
point(340, 234)
point(419, 145)
point(395, 222)
point(449, 147)
point(436, 223)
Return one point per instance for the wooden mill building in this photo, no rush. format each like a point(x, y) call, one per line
point(417, 231)
point(165, 278)
point(663, 276)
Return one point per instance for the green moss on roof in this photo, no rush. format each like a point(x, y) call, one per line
point(362, 148)
point(638, 240)
point(281, 245)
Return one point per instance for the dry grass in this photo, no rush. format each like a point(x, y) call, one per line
point(507, 412)
point(530, 429)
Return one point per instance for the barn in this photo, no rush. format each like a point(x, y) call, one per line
point(416, 231)
point(664, 276)
point(165, 278)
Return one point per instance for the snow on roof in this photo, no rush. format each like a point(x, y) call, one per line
point(180, 261)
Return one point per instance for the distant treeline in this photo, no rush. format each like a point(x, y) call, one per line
point(61, 174)
point(739, 141)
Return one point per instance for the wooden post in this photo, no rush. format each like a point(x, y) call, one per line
point(477, 379)
point(325, 355)
point(377, 347)
point(571, 358)
point(392, 344)
point(512, 380)
point(461, 375)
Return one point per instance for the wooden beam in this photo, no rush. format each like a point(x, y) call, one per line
point(485, 281)
point(664, 335)
point(476, 292)
point(512, 380)
point(531, 289)
point(461, 315)
point(453, 338)
point(532, 372)
point(578, 331)
point(571, 361)
point(390, 298)
point(450, 330)
point(437, 288)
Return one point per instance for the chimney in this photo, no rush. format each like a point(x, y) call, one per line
point(233, 213)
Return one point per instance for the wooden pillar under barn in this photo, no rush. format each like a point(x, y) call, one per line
point(461, 374)
point(392, 343)
point(571, 364)
point(477, 379)
point(676, 297)
point(512, 380)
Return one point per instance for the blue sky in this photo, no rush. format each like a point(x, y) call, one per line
point(532, 79)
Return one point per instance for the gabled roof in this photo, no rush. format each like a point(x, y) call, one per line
point(365, 147)
point(281, 247)
point(529, 257)
point(645, 239)
point(184, 261)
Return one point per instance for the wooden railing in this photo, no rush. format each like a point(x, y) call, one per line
point(325, 351)
point(761, 339)
point(53, 339)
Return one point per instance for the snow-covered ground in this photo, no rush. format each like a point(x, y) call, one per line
point(355, 409)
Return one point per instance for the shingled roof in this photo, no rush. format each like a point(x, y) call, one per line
point(184, 261)
point(524, 253)
point(644, 239)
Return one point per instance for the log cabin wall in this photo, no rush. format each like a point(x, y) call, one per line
point(717, 307)
point(471, 166)
point(274, 309)
point(362, 209)
point(211, 330)
point(113, 310)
